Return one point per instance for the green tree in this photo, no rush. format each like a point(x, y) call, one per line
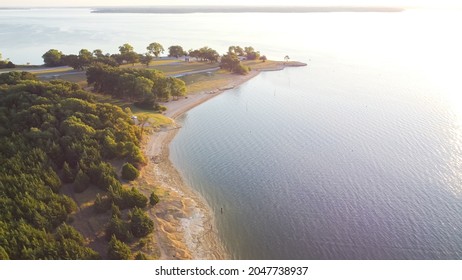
point(82, 182)
point(125, 48)
point(176, 51)
point(115, 211)
point(102, 204)
point(141, 256)
point(118, 250)
point(153, 199)
point(68, 173)
point(129, 172)
point(98, 53)
point(232, 63)
point(86, 57)
point(155, 49)
point(177, 87)
point(142, 88)
point(3, 254)
point(208, 54)
point(118, 228)
point(128, 54)
point(146, 59)
point(140, 224)
point(52, 58)
point(15, 77)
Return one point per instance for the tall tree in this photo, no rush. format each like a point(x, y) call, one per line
point(155, 49)
point(98, 53)
point(128, 54)
point(146, 59)
point(176, 51)
point(125, 48)
point(52, 58)
point(118, 250)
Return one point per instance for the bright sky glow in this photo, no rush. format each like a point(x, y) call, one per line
point(60, 3)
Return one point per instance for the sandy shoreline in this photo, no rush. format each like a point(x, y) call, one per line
point(184, 223)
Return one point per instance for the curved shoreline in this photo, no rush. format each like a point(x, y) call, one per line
point(185, 224)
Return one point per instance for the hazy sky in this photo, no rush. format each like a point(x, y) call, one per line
point(40, 3)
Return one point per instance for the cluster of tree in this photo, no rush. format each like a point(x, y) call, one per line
point(248, 52)
point(53, 133)
point(6, 63)
point(126, 54)
point(144, 87)
point(205, 54)
point(137, 224)
point(85, 58)
point(231, 62)
point(120, 230)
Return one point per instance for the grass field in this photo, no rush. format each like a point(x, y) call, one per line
point(183, 67)
point(155, 119)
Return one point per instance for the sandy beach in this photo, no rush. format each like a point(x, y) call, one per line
point(184, 224)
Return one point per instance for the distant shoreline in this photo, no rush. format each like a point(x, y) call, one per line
point(242, 9)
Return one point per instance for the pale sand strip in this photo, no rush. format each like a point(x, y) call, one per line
point(184, 224)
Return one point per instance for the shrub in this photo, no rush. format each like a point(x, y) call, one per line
point(129, 172)
point(153, 199)
point(160, 108)
point(241, 69)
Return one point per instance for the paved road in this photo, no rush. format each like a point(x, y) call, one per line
point(66, 70)
point(195, 72)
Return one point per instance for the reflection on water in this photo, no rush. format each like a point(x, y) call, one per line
point(357, 156)
point(306, 169)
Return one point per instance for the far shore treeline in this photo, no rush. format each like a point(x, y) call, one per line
point(57, 140)
point(127, 55)
point(145, 87)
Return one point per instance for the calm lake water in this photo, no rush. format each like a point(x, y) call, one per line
point(357, 156)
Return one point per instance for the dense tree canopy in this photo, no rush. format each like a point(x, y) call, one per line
point(139, 85)
point(49, 133)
